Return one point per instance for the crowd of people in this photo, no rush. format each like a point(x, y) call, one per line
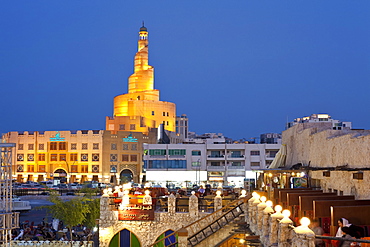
point(55, 230)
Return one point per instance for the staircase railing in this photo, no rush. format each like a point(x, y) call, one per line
point(206, 226)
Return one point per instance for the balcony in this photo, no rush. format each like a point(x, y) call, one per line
point(177, 156)
point(156, 157)
point(236, 168)
point(236, 157)
point(216, 157)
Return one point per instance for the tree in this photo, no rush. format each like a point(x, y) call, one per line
point(72, 212)
point(94, 213)
point(79, 210)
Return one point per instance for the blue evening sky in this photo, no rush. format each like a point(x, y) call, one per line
point(241, 68)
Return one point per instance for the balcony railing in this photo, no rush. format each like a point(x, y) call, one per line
point(216, 156)
point(236, 156)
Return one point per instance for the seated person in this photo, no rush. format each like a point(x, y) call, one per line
point(357, 231)
point(315, 227)
point(347, 235)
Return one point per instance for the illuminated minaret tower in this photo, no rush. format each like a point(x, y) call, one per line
point(141, 109)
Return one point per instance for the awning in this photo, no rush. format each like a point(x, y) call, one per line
point(279, 160)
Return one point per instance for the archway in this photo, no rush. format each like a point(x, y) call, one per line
point(124, 238)
point(168, 241)
point(60, 174)
point(126, 176)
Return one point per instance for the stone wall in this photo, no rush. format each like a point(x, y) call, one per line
point(313, 145)
point(52, 243)
point(316, 146)
point(343, 181)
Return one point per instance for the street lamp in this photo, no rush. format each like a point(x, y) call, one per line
point(198, 170)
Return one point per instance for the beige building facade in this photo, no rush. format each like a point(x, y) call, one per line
point(78, 156)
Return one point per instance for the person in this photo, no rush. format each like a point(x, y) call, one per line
point(315, 227)
point(357, 231)
point(347, 235)
point(201, 190)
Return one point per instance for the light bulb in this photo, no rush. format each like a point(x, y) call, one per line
point(305, 221)
point(286, 213)
point(278, 208)
point(269, 204)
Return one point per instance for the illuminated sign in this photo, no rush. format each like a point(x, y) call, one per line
point(57, 137)
point(136, 212)
point(129, 139)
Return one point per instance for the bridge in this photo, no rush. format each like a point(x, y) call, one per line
point(243, 220)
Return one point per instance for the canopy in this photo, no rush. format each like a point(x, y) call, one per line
point(279, 160)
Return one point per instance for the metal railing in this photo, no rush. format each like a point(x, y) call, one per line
point(206, 229)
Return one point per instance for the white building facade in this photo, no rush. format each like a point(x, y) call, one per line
point(229, 164)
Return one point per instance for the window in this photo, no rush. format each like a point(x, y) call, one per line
point(20, 168)
point(125, 157)
point(196, 153)
point(133, 157)
point(20, 146)
point(84, 146)
point(215, 163)
point(84, 168)
point(157, 152)
point(134, 147)
point(62, 157)
point(84, 157)
point(152, 113)
point(95, 168)
point(113, 146)
point(167, 123)
point(41, 168)
point(177, 152)
point(132, 127)
point(53, 157)
point(74, 168)
point(255, 153)
point(30, 146)
point(113, 157)
point(164, 164)
point(236, 164)
point(41, 157)
point(53, 146)
point(121, 127)
point(195, 164)
point(73, 146)
point(216, 154)
point(31, 168)
point(272, 153)
point(20, 157)
point(96, 146)
point(30, 157)
point(41, 146)
point(164, 114)
point(236, 154)
point(95, 157)
point(125, 146)
point(255, 164)
point(62, 146)
point(168, 114)
point(73, 157)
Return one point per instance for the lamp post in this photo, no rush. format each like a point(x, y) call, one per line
point(198, 168)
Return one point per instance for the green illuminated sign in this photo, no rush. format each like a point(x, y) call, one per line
point(57, 137)
point(129, 139)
